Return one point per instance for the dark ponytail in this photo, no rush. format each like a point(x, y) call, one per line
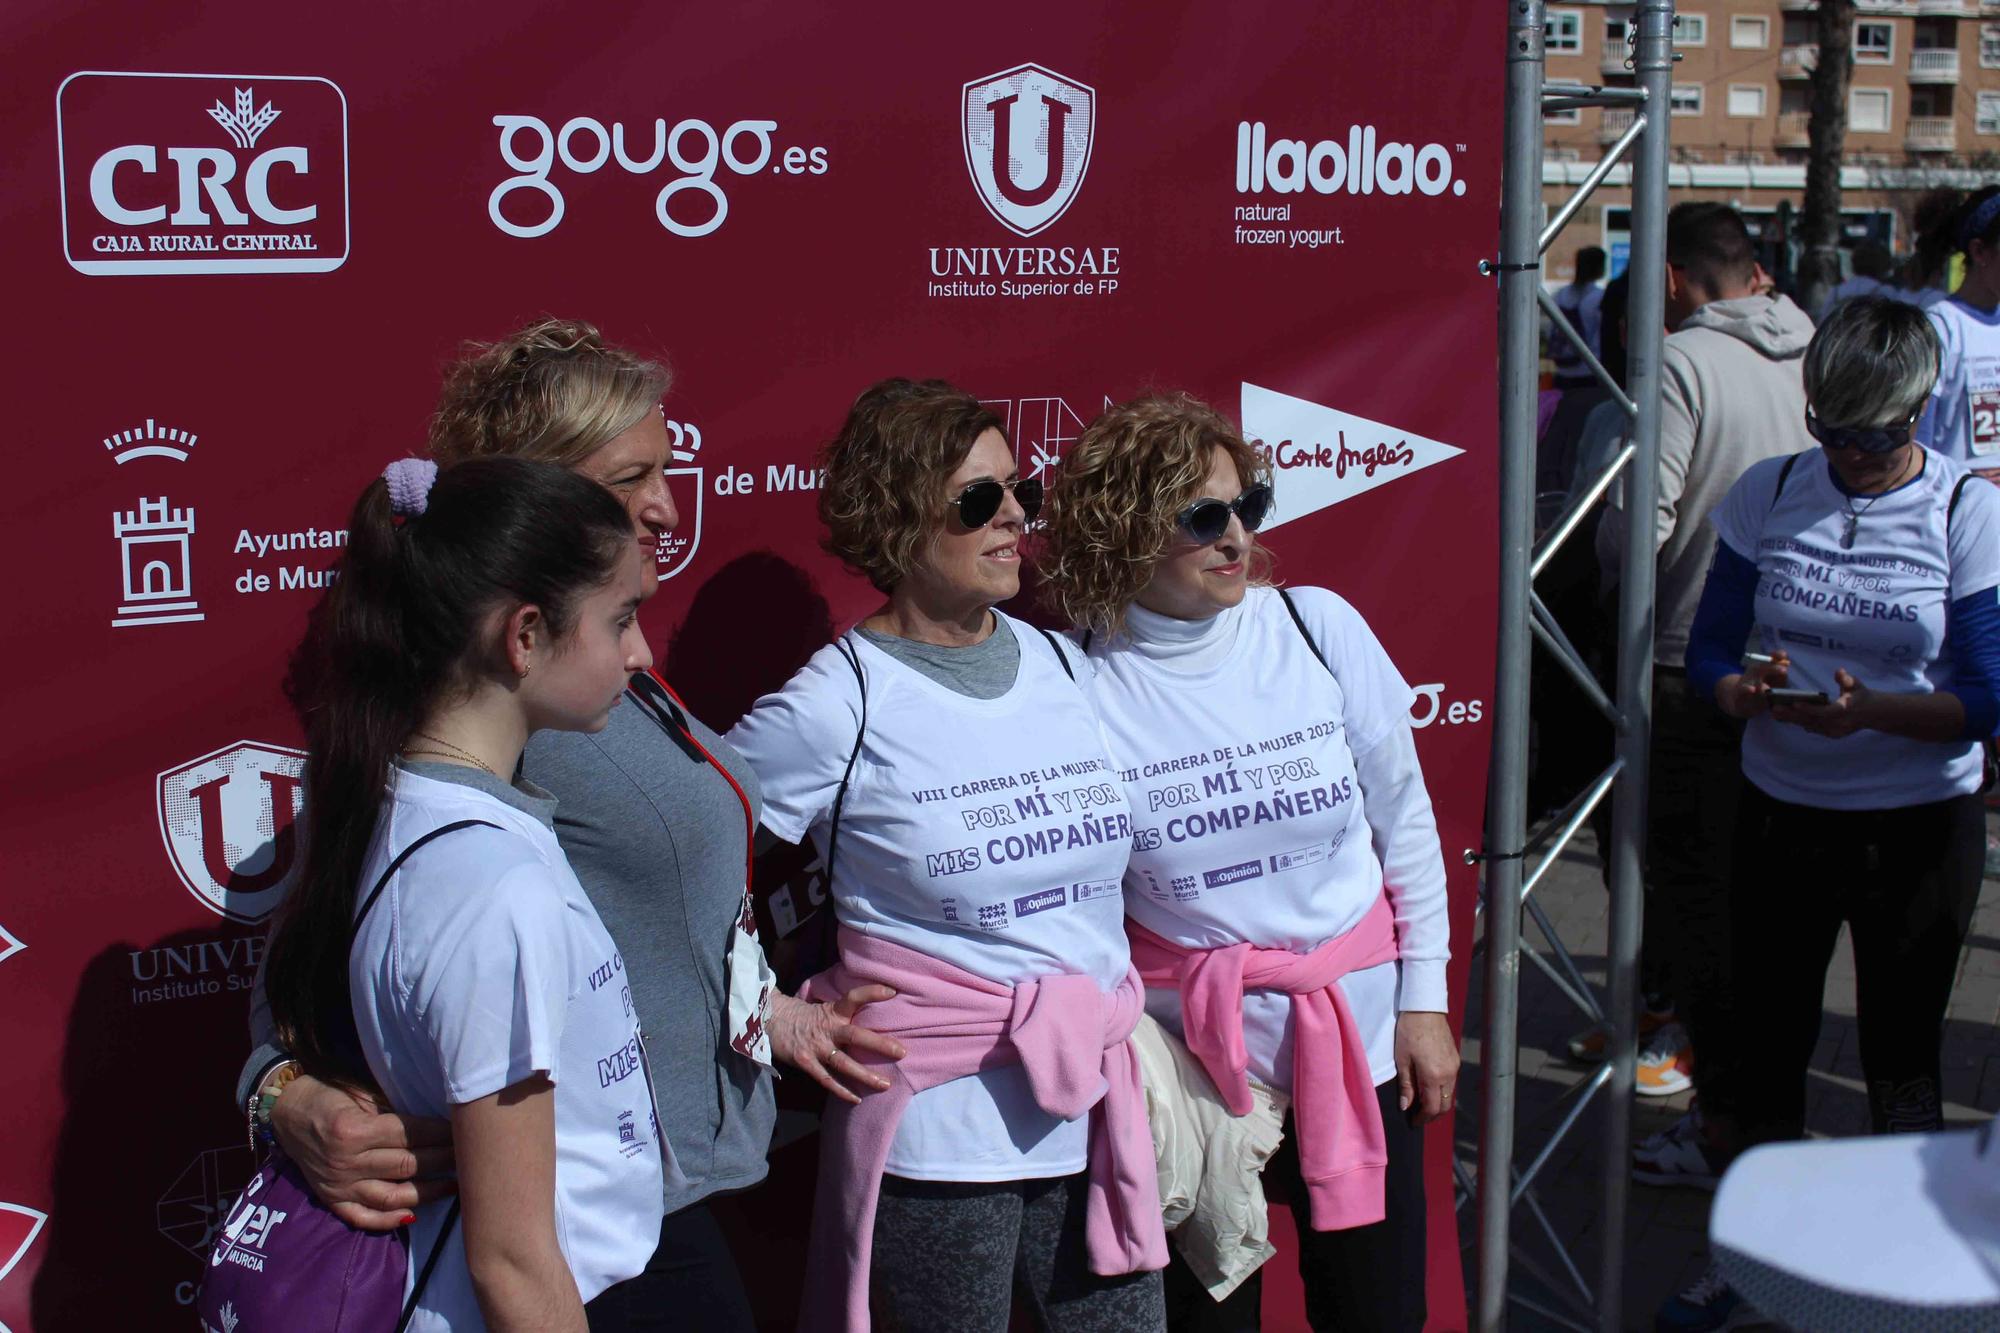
point(397, 631)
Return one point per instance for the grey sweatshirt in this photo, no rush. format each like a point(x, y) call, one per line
point(1732, 395)
point(657, 840)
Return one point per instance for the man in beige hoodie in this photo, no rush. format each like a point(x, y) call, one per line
point(1732, 394)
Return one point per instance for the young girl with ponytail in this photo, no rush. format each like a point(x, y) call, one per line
point(474, 607)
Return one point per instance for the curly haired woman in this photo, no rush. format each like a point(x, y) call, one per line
point(1286, 894)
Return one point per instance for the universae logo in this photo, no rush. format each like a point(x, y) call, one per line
point(202, 173)
point(227, 821)
point(1028, 132)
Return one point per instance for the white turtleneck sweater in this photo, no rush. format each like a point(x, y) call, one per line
point(1274, 800)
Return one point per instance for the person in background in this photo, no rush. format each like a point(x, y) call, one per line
point(654, 814)
point(1963, 422)
point(1286, 904)
point(1581, 300)
point(475, 606)
point(1926, 276)
point(1874, 275)
point(1731, 395)
point(1866, 575)
point(945, 760)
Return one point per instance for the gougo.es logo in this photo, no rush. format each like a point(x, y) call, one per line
point(692, 203)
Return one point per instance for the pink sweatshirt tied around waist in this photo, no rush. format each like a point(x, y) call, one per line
point(1342, 1151)
point(1073, 1040)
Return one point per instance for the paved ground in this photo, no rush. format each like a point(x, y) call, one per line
point(1666, 1229)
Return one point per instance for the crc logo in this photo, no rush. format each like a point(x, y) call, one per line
point(676, 549)
point(1028, 132)
point(202, 173)
point(227, 822)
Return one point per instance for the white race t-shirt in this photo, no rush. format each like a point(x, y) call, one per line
point(1237, 749)
point(1877, 610)
point(1963, 419)
point(481, 964)
point(989, 833)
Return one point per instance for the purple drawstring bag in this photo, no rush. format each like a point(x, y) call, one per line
point(283, 1261)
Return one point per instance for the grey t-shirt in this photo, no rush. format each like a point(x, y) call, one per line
point(984, 670)
point(658, 841)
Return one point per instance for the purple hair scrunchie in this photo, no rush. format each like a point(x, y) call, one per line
point(409, 481)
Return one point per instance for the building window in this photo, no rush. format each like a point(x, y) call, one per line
point(1868, 110)
point(1563, 34)
point(1989, 46)
point(1569, 117)
point(1689, 30)
point(1746, 99)
point(1685, 99)
point(1989, 113)
point(1874, 43)
point(1749, 32)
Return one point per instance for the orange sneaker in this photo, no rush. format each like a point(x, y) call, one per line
point(1666, 1063)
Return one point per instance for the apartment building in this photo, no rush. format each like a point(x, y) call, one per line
point(1923, 110)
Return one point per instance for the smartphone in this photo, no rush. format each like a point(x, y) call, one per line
point(1782, 696)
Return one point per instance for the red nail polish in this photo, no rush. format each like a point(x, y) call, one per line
point(409, 1219)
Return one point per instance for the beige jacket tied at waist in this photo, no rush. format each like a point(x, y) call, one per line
point(1210, 1162)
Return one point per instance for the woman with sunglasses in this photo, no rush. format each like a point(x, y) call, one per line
point(1863, 574)
point(945, 761)
point(1286, 893)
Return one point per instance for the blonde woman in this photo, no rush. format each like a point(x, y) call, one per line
point(655, 814)
point(1286, 894)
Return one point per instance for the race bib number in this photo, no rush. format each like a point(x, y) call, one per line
point(1982, 412)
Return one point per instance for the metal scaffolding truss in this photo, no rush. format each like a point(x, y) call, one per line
point(1501, 1183)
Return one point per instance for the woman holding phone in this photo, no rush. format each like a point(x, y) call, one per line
point(1863, 577)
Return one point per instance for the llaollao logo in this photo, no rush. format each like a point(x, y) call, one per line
point(1028, 133)
point(202, 173)
point(227, 820)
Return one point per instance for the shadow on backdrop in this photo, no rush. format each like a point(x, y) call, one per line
point(151, 1152)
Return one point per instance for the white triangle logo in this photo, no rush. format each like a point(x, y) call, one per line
point(1320, 456)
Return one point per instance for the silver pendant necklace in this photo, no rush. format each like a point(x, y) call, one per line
point(1854, 515)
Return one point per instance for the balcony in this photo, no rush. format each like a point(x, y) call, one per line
point(1934, 65)
point(1612, 59)
point(1615, 122)
point(1795, 6)
point(1796, 62)
point(1939, 6)
point(1794, 129)
point(1931, 134)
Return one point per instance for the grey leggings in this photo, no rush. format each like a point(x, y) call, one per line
point(953, 1256)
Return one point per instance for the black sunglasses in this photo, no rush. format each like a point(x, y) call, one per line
point(1207, 519)
point(979, 502)
point(1868, 439)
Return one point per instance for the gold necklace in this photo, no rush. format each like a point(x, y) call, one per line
point(447, 751)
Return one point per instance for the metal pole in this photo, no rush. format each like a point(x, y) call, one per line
point(1653, 63)
point(1507, 792)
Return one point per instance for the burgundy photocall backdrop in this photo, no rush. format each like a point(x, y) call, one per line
point(240, 244)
